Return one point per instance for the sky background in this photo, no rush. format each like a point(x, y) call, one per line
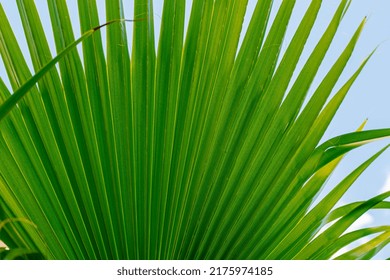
point(369, 97)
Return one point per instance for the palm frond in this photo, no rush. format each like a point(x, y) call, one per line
point(198, 146)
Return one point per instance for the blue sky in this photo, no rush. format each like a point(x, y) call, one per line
point(368, 98)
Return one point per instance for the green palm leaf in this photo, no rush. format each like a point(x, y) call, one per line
point(199, 146)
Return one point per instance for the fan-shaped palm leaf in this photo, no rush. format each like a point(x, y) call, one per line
point(201, 147)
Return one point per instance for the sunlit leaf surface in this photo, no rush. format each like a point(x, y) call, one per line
point(194, 146)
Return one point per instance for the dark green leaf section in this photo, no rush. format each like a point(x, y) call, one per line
point(143, 106)
point(166, 96)
point(343, 210)
point(194, 145)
